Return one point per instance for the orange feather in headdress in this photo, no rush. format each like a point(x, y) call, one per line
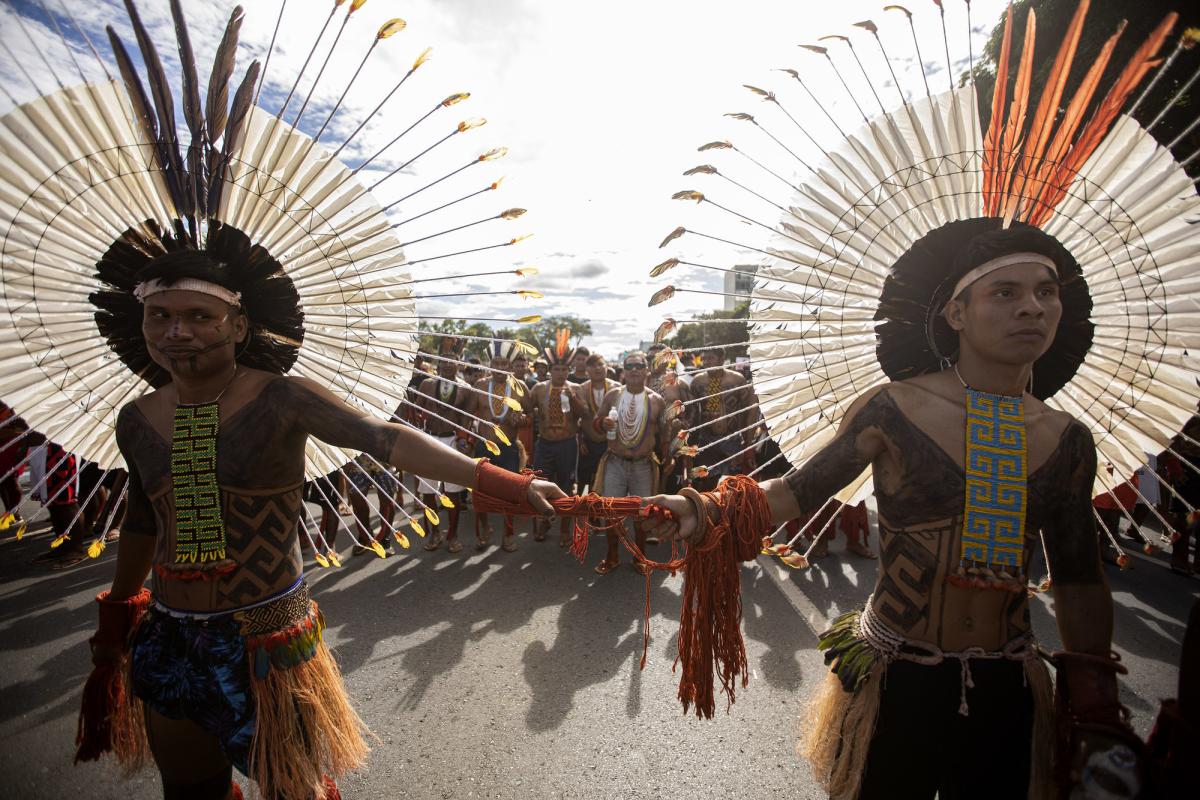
point(561, 352)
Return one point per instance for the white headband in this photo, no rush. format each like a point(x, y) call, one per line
point(155, 286)
point(997, 263)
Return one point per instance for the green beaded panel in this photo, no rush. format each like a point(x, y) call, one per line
point(199, 527)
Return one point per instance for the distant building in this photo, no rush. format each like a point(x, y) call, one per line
point(739, 285)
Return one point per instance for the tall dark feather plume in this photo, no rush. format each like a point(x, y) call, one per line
point(233, 130)
point(137, 95)
point(216, 109)
point(193, 113)
point(164, 104)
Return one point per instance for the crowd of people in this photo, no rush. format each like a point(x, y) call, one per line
point(639, 425)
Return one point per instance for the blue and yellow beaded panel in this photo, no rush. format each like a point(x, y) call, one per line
point(997, 492)
point(199, 527)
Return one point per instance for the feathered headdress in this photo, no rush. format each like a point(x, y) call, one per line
point(101, 191)
point(506, 350)
point(561, 352)
point(851, 285)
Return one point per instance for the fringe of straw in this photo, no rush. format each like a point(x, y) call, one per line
point(838, 727)
point(304, 729)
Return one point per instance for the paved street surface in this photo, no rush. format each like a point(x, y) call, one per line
point(515, 675)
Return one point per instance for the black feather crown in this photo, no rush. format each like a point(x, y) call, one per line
point(195, 184)
point(269, 298)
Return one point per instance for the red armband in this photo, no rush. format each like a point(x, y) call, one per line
point(118, 619)
point(501, 484)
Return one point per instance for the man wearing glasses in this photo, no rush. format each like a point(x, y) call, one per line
point(629, 467)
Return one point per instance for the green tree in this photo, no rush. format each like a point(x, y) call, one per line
point(1103, 18)
point(700, 334)
point(541, 334)
point(430, 343)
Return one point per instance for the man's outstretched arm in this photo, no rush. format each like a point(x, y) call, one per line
point(325, 416)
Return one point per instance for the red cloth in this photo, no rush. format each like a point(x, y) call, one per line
point(1126, 496)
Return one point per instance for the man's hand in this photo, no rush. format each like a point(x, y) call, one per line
point(608, 423)
point(683, 526)
point(541, 493)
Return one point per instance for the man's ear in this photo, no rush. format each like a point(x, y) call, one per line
point(241, 327)
point(953, 313)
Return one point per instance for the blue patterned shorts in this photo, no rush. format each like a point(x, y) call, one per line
point(196, 669)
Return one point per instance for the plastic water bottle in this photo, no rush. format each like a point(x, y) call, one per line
point(612, 433)
point(564, 402)
point(1109, 775)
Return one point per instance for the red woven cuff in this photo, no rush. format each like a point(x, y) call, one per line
point(118, 618)
point(493, 481)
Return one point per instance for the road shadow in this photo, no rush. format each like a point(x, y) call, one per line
point(600, 633)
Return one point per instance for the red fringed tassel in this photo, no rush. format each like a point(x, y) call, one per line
point(579, 541)
point(103, 692)
point(732, 522)
point(104, 700)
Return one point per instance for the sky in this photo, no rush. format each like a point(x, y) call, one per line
point(601, 107)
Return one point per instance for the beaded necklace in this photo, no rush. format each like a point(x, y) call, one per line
point(500, 413)
point(995, 467)
point(632, 416)
point(199, 524)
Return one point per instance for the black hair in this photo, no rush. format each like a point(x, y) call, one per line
point(1017, 238)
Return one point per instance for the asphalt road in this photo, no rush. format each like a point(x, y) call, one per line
point(515, 675)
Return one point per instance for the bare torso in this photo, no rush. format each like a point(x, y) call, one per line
point(555, 424)
point(920, 489)
point(265, 422)
point(443, 398)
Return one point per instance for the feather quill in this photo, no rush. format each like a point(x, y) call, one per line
point(1050, 191)
point(1014, 126)
point(216, 110)
point(142, 109)
point(193, 114)
point(1047, 109)
point(1093, 133)
point(164, 105)
point(242, 100)
point(991, 161)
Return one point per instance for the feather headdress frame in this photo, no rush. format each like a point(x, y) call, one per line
point(97, 181)
point(871, 207)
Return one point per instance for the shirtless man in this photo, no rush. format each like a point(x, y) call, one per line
point(667, 384)
point(558, 408)
point(520, 369)
point(936, 600)
point(628, 466)
point(489, 405)
point(579, 372)
point(443, 399)
point(722, 411)
point(216, 466)
point(592, 441)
